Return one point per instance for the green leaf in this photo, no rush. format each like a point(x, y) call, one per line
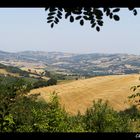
point(100, 22)
point(61, 9)
point(49, 21)
point(135, 12)
point(99, 17)
point(111, 15)
point(105, 9)
point(52, 25)
point(46, 8)
point(98, 28)
point(52, 9)
point(50, 17)
point(59, 16)
point(55, 22)
point(86, 18)
point(108, 12)
point(56, 19)
point(116, 17)
point(59, 13)
point(71, 19)
point(93, 25)
point(98, 12)
point(116, 10)
point(77, 18)
point(82, 22)
point(67, 15)
point(51, 13)
point(92, 21)
point(133, 88)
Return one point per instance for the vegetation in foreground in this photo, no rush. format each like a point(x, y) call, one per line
point(22, 113)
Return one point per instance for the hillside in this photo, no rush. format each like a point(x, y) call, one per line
point(79, 95)
point(94, 64)
point(13, 71)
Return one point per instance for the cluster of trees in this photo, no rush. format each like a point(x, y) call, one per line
point(33, 82)
point(20, 112)
point(14, 70)
point(43, 83)
point(55, 75)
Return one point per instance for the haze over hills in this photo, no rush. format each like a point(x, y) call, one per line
point(69, 63)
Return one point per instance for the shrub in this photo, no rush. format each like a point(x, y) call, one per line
point(40, 83)
point(101, 118)
point(51, 82)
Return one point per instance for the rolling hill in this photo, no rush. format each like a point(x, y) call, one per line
point(79, 94)
point(94, 64)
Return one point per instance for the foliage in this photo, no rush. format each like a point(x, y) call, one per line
point(11, 90)
point(15, 70)
point(20, 112)
point(55, 75)
point(40, 83)
point(101, 118)
point(133, 113)
point(51, 82)
point(76, 123)
point(135, 97)
point(91, 14)
point(43, 83)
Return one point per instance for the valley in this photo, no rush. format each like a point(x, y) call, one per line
point(87, 65)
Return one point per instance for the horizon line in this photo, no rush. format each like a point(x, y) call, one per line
point(68, 52)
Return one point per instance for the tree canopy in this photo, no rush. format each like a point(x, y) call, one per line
point(83, 14)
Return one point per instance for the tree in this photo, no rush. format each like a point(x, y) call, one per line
point(40, 83)
point(82, 14)
point(51, 81)
point(11, 91)
point(102, 118)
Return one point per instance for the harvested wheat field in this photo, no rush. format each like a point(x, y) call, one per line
point(79, 95)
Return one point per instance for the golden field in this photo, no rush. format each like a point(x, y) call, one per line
point(79, 95)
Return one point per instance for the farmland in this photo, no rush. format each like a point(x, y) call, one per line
point(78, 95)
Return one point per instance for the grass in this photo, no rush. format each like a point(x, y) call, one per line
point(79, 95)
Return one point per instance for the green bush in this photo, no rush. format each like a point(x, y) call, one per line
point(101, 118)
point(51, 82)
point(40, 83)
point(21, 113)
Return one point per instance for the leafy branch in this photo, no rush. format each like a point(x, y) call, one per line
point(81, 14)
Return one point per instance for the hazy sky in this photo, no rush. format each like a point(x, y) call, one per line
point(27, 29)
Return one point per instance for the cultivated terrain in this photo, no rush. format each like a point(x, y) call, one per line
point(93, 64)
point(79, 95)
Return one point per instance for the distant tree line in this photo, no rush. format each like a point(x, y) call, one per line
point(14, 70)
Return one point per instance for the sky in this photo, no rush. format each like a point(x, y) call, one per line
point(24, 29)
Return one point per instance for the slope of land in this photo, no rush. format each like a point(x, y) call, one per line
point(94, 64)
point(5, 72)
point(79, 95)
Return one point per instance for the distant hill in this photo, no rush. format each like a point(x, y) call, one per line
point(81, 64)
point(79, 95)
